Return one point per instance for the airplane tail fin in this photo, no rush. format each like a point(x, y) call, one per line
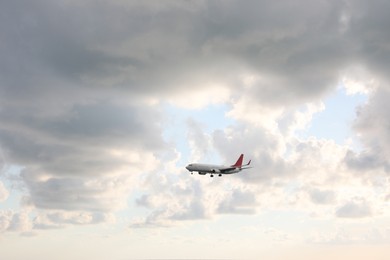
point(239, 161)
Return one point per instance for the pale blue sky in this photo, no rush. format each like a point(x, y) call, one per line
point(336, 120)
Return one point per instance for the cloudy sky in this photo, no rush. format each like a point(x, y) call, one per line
point(103, 104)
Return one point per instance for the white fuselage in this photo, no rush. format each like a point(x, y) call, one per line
point(203, 169)
point(209, 168)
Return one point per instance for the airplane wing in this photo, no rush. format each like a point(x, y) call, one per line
point(223, 170)
point(227, 169)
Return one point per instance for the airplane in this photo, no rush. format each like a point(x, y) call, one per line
point(203, 169)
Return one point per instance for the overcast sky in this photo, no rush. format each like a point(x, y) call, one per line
point(103, 104)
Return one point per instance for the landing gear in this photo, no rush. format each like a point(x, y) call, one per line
point(220, 175)
point(211, 175)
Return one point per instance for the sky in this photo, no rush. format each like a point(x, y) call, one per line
point(104, 103)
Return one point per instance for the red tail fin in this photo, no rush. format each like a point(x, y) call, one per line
point(239, 161)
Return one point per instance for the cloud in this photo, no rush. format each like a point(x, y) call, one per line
point(20, 222)
point(58, 219)
point(3, 192)
point(142, 48)
point(86, 159)
point(82, 88)
point(26, 223)
point(296, 53)
point(171, 197)
point(372, 126)
point(355, 209)
point(240, 202)
point(5, 220)
point(322, 196)
point(11, 221)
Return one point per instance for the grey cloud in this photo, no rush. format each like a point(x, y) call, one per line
point(69, 194)
point(144, 201)
point(145, 46)
point(60, 35)
point(297, 48)
point(365, 160)
point(322, 196)
point(64, 154)
point(367, 29)
point(192, 211)
point(240, 202)
point(355, 209)
point(80, 218)
point(80, 138)
point(373, 126)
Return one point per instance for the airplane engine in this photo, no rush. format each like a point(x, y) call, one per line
point(215, 171)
